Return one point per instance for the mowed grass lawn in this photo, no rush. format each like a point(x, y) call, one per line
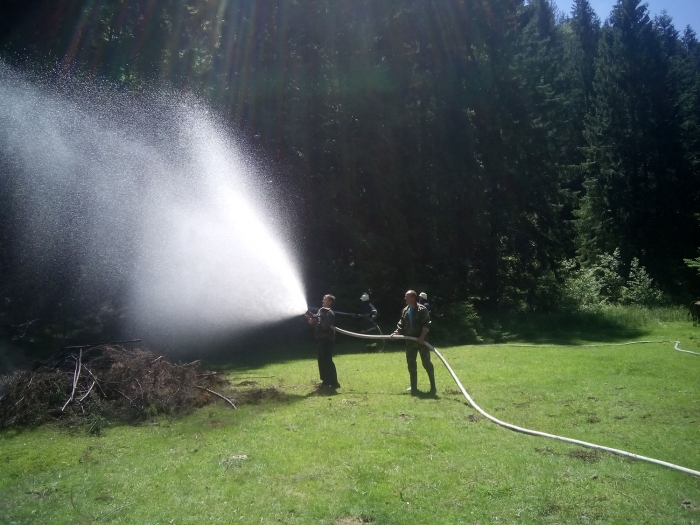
point(373, 454)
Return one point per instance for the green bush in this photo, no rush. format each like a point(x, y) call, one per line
point(640, 289)
point(607, 272)
point(581, 290)
point(589, 288)
point(457, 324)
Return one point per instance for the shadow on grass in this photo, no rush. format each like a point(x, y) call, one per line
point(426, 395)
point(284, 342)
point(252, 357)
point(568, 328)
point(294, 340)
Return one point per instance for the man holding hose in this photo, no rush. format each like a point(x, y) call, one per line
point(415, 322)
point(323, 323)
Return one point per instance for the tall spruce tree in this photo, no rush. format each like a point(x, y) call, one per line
point(580, 36)
point(582, 33)
point(690, 97)
point(637, 178)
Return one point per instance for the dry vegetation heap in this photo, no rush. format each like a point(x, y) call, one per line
point(95, 384)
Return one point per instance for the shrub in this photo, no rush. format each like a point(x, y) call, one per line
point(458, 324)
point(581, 290)
point(608, 274)
point(640, 289)
point(603, 283)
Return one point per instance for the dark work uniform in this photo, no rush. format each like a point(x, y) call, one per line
point(325, 336)
point(369, 314)
point(412, 322)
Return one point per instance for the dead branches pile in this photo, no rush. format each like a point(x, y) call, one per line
point(103, 383)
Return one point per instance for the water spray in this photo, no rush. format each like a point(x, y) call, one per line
point(144, 198)
point(526, 430)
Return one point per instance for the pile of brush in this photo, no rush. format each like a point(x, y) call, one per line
point(106, 382)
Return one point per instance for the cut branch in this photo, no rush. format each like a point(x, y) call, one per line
point(24, 327)
point(132, 385)
point(77, 347)
point(88, 392)
point(218, 395)
point(76, 375)
point(96, 381)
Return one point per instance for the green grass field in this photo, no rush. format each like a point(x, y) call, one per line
point(373, 454)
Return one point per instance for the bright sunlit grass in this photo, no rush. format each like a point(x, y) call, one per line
point(372, 454)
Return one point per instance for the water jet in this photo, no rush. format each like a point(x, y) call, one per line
point(138, 199)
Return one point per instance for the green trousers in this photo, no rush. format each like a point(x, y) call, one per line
point(412, 351)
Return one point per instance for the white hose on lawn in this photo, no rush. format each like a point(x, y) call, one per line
point(525, 430)
point(681, 350)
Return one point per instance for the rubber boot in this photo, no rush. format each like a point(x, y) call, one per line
point(413, 389)
point(431, 376)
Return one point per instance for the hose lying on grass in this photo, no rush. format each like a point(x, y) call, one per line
point(525, 430)
point(681, 350)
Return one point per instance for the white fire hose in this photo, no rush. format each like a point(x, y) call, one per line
point(525, 430)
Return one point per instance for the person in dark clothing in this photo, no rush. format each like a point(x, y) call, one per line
point(423, 299)
point(369, 312)
point(415, 322)
point(369, 316)
point(323, 322)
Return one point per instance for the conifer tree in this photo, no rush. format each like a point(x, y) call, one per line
point(580, 36)
point(637, 179)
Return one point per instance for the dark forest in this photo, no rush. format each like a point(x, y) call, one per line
point(493, 153)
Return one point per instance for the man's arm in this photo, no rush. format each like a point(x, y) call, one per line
point(399, 327)
point(426, 326)
point(423, 335)
point(311, 317)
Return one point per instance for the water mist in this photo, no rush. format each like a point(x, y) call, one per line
point(142, 197)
